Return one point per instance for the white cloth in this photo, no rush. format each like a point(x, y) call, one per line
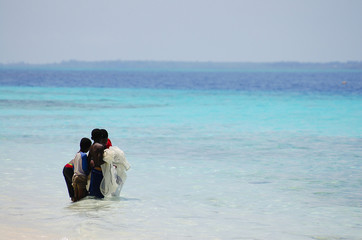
point(80, 162)
point(114, 171)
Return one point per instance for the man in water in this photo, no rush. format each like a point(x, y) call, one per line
point(95, 158)
point(105, 138)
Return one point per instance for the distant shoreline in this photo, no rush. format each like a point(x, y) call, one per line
point(185, 66)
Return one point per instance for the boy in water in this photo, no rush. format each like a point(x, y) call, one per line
point(95, 158)
point(105, 138)
point(68, 173)
point(81, 170)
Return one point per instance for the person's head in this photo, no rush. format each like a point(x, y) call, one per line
point(104, 136)
point(85, 144)
point(96, 135)
point(104, 133)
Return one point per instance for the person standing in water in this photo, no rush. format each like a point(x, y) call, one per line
point(95, 159)
point(68, 173)
point(81, 170)
point(105, 137)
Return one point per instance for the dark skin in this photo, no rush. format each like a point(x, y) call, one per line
point(95, 155)
point(104, 141)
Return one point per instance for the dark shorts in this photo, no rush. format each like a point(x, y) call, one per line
point(68, 174)
point(95, 182)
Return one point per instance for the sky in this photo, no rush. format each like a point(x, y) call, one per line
point(43, 31)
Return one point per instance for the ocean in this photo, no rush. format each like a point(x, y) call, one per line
point(215, 153)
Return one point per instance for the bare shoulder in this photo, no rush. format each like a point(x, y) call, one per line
point(95, 147)
point(98, 147)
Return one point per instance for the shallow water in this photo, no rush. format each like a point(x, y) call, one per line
point(206, 164)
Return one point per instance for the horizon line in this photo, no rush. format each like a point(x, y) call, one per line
point(181, 61)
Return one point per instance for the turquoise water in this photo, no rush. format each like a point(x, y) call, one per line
point(206, 164)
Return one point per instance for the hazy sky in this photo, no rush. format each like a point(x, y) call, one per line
point(42, 31)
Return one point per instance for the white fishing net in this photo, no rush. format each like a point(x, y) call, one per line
point(114, 171)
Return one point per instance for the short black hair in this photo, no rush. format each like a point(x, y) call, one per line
point(96, 134)
point(85, 144)
point(104, 133)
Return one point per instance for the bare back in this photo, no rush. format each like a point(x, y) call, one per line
point(96, 154)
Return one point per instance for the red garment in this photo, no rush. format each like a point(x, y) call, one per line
point(70, 164)
point(109, 143)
